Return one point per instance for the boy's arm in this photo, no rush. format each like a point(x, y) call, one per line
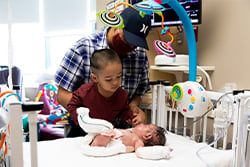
point(72, 105)
point(139, 115)
point(63, 96)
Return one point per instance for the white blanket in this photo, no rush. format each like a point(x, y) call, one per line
point(67, 153)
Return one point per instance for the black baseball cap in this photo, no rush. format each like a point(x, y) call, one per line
point(136, 27)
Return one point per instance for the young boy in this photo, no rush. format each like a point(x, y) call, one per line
point(103, 97)
point(104, 140)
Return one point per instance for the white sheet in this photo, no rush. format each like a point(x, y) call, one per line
point(67, 153)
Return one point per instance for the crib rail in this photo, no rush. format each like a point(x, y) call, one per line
point(16, 110)
point(165, 114)
point(241, 131)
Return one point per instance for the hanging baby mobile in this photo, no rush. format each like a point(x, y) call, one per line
point(113, 19)
point(148, 7)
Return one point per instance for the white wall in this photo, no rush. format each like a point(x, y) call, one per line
point(224, 41)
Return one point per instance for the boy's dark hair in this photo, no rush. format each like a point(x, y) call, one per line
point(159, 138)
point(100, 59)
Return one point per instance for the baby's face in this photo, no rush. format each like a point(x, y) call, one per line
point(144, 129)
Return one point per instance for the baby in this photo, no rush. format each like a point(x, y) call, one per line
point(103, 140)
point(139, 136)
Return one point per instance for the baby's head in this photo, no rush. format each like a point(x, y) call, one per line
point(150, 134)
point(158, 137)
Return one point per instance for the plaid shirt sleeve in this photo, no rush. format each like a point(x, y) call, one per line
point(74, 69)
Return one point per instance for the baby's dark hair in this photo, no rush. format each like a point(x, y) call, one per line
point(159, 138)
point(101, 58)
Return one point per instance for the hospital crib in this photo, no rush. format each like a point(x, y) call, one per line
point(161, 115)
point(230, 112)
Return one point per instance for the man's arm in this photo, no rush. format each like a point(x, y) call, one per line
point(63, 96)
point(139, 115)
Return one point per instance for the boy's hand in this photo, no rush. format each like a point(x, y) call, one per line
point(139, 115)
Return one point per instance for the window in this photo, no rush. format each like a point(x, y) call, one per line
point(42, 31)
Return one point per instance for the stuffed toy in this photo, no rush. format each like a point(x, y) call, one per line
point(47, 93)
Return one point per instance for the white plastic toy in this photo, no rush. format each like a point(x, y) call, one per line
point(192, 99)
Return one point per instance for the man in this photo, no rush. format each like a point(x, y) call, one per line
point(128, 43)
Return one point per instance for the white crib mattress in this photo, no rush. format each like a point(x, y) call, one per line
point(67, 152)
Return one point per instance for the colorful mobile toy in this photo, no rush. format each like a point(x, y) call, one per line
point(192, 99)
point(149, 6)
point(110, 18)
point(153, 6)
point(164, 48)
point(114, 19)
